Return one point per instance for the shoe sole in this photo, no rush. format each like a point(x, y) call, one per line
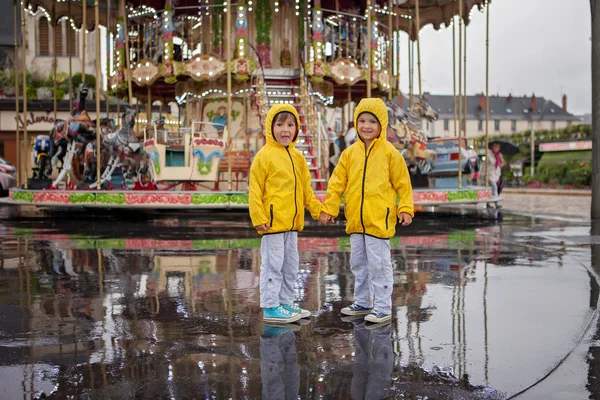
point(282, 320)
point(346, 311)
point(293, 327)
point(375, 320)
point(302, 322)
point(371, 325)
point(305, 314)
point(351, 318)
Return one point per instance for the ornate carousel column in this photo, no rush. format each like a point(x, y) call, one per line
point(262, 18)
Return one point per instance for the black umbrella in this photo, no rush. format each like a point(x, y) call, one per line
point(506, 147)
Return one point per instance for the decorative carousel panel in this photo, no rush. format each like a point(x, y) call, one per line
point(170, 71)
point(316, 70)
point(242, 69)
point(205, 67)
point(145, 73)
point(345, 72)
point(384, 80)
point(207, 154)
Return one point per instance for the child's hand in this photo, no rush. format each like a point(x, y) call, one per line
point(325, 218)
point(405, 219)
point(262, 228)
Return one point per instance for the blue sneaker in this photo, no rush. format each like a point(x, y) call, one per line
point(278, 330)
point(378, 317)
point(295, 309)
point(355, 309)
point(279, 315)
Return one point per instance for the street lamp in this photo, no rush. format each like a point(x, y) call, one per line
point(532, 169)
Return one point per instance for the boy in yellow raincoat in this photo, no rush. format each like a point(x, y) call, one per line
point(373, 174)
point(280, 188)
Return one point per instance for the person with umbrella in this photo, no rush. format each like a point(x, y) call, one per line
point(495, 161)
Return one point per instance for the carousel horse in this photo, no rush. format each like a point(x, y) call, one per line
point(66, 135)
point(118, 145)
point(89, 161)
point(406, 134)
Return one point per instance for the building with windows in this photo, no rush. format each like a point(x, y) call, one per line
point(42, 41)
point(508, 114)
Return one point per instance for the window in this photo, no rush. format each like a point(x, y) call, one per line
point(497, 126)
point(43, 37)
point(446, 125)
point(553, 125)
point(569, 123)
point(513, 126)
point(63, 37)
point(480, 125)
point(71, 41)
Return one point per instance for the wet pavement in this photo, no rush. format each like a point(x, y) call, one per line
point(140, 305)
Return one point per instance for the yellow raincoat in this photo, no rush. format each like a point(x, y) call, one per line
point(280, 182)
point(373, 179)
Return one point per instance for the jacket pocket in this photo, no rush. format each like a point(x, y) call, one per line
point(271, 223)
point(387, 218)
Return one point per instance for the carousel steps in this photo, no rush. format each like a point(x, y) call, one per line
point(290, 94)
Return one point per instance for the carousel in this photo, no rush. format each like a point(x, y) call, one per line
point(213, 69)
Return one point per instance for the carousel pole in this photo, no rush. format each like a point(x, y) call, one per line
point(70, 67)
point(390, 36)
point(97, 96)
point(228, 50)
point(369, 50)
point(148, 107)
point(460, 102)
point(24, 67)
point(109, 56)
point(454, 71)
point(419, 49)
point(127, 54)
point(487, 83)
point(54, 59)
point(16, 64)
point(465, 86)
point(410, 65)
point(83, 38)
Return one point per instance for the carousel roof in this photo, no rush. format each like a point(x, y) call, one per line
point(432, 12)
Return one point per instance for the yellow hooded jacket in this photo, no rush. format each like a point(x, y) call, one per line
point(372, 178)
point(280, 182)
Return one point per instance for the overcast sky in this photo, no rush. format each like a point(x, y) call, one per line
point(536, 46)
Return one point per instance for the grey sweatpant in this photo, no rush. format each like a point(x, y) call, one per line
point(371, 264)
point(373, 364)
point(278, 268)
point(279, 369)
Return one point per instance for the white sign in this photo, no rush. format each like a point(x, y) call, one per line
point(566, 146)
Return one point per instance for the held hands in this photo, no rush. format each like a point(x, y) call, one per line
point(262, 228)
point(405, 219)
point(325, 218)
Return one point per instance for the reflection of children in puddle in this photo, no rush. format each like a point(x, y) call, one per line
point(373, 363)
point(279, 368)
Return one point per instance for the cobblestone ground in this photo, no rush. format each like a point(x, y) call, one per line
point(560, 205)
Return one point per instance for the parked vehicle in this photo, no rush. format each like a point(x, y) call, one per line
point(8, 177)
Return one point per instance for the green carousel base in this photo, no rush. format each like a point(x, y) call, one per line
point(208, 200)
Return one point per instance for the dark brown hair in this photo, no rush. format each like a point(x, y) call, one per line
point(283, 116)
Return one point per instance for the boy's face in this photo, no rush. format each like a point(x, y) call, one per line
point(284, 130)
point(368, 126)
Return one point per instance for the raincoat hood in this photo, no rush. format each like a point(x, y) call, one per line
point(273, 111)
point(376, 107)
